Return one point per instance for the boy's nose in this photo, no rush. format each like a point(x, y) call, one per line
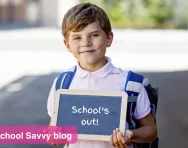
point(86, 43)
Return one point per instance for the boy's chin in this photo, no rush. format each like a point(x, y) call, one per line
point(91, 61)
point(88, 63)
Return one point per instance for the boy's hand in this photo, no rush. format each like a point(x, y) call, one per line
point(119, 141)
point(51, 130)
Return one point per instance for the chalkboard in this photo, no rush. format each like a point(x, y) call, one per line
point(95, 114)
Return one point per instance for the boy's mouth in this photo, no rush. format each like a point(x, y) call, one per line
point(87, 51)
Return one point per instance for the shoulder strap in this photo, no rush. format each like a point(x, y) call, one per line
point(133, 83)
point(65, 78)
point(132, 88)
point(63, 82)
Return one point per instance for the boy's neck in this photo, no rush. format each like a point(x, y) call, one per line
point(94, 67)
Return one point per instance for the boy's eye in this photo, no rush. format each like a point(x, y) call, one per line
point(77, 38)
point(94, 35)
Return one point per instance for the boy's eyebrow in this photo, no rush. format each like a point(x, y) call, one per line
point(75, 35)
point(95, 31)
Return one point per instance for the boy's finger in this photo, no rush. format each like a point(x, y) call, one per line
point(115, 140)
point(128, 142)
point(122, 138)
point(111, 141)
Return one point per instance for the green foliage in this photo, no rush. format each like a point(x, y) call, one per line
point(182, 21)
point(160, 12)
point(114, 11)
point(141, 13)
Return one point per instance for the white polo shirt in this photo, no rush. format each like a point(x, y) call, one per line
point(108, 78)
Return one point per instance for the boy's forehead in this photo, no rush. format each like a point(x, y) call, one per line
point(92, 27)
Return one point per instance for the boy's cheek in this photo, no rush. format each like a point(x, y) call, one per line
point(69, 49)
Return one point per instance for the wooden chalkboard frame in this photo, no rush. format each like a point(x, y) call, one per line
point(93, 93)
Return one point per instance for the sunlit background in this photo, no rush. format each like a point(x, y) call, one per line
point(151, 38)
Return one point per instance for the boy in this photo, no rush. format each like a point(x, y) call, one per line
point(87, 33)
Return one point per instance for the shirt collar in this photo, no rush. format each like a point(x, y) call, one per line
point(102, 72)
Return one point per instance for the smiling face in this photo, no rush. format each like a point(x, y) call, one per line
point(89, 45)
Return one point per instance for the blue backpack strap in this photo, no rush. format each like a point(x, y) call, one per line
point(132, 88)
point(64, 80)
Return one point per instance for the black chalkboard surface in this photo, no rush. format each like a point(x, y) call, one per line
point(95, 114)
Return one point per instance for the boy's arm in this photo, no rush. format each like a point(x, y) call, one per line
point(50, 122)
point(50, 101)
point(147, 131)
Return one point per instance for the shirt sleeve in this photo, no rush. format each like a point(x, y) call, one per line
point(143, 105)
point(51, 98)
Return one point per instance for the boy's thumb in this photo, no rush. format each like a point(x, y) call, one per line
point(129, 134)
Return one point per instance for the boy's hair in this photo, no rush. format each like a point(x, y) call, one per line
point(83, 14)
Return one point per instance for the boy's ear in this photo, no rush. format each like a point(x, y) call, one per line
point(67, 45)
point(110, 37)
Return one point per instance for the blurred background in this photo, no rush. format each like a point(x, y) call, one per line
point(151, 38)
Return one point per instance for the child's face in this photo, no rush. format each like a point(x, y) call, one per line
point(89, 45)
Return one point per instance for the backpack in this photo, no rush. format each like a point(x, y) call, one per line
point(131, 88)
point(133, 92)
